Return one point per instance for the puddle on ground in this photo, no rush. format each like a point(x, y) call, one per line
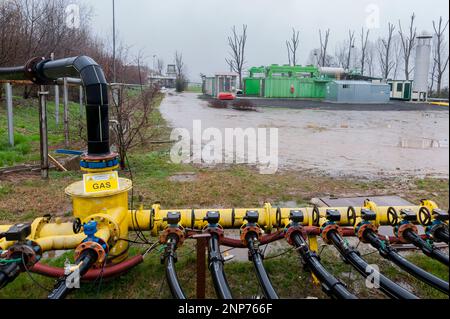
point(183, 177)
point(373, 144)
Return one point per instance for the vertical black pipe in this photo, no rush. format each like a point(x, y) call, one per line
point(263, 277)
point(96, 93)
point(171, 274)
point(331, 286)
point(215, 261)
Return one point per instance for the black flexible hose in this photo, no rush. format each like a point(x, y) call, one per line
point(352, 256)
point(331, 286)
point(86, 261)
point(428, 249)
point(215, 261)
point(8, 273)
point(392, 255)
point(171, 274)
point(263, 277)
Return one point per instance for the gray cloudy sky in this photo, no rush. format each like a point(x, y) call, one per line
point(199, 28)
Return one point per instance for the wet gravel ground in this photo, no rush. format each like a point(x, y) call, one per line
point(371, 141)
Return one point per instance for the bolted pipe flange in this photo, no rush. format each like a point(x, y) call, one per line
point(177, 231)
point(250, 229)
point(329, 227)
point(218, 230)
point(400, 230)
point(30, 251)
point(294, 230)
point(437, 225)
point(361, 229)
point(97, 247)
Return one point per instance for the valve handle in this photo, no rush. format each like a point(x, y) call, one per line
point(424, 216)
point(316, 215)
point(76, 225)
point(351, 215)
point(392, 216)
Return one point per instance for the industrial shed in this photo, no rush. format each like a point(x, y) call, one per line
point(357, 92)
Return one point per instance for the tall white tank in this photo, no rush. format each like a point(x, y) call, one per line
point(422, 68)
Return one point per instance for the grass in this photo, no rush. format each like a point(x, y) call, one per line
point(194, 89)
point(26, 130)
point(24, 197)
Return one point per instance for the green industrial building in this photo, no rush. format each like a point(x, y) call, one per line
point(285, 81)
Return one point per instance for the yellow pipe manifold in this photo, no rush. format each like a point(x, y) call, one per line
point(115, 220)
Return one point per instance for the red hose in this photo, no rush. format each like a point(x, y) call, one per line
point(92, 274)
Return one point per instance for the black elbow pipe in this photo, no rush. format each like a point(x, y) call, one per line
point(263, 277)
point(215, 261)
point(331, 286)
point(8, 273)
point(392, 255)
point(171, 274)
point(87, 259)
point(96, 92)
point(427, 248)
point(387, 286)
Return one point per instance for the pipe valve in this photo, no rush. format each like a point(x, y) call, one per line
point(368, 215)
point(212, 217)
point(333, 215)
point(296, 216)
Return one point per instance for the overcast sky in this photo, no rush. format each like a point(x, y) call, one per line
point(199, 28)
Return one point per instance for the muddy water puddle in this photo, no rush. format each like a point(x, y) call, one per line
point(352, 143)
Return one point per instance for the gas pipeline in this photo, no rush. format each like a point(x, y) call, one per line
point(103, 221)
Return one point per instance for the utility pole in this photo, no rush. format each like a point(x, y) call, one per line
point(114, 40)
point(43, 131)
point(9, 106)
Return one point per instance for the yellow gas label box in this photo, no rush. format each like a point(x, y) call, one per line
point(100, 182)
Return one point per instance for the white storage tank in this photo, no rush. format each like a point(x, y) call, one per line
point(422, 66)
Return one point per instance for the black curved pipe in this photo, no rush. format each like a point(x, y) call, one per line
point(8, 273)
point(263, 277)
point(86, 261)
point(331, 286)
point(392, 255)
point(215, 262)
point(427, 248)
point(171, 274)
point(352, 256)
point(96, 93)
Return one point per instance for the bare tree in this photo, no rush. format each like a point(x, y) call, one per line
point(323, 47)
point(237, 42)
point(385, 52)
point(408, 43)
point(439, 52)
point(180, 82)
point(364, 41)
point(292, 46)
point(351, 46)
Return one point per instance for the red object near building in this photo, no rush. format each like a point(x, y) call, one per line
point(226, 96)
